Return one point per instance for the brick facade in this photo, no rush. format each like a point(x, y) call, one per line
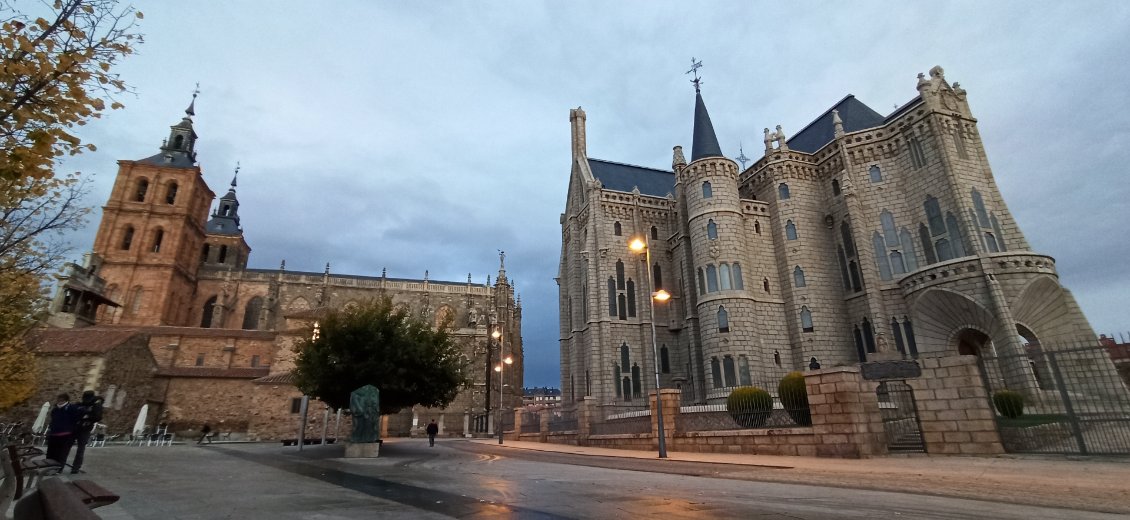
point(218, 336)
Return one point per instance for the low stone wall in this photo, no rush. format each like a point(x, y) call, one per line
point(953, 411)
point(777, 441)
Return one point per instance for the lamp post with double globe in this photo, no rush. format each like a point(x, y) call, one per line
point(503, 361)
point(640, 244)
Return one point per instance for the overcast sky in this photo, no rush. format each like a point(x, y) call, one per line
point(413, 135)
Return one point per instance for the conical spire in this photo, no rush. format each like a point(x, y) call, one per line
point(704, 142)
point(225, 219)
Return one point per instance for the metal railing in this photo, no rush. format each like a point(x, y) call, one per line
point(760, 410)
point(1075, 402)
point(563, 420)
point(531, 422)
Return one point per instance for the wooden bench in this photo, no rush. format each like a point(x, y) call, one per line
point(25, 470)
point(53, 499)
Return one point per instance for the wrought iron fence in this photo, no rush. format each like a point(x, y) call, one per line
point(531, 422)
point(481, 423)
point(1074, 401)
point(563, 420)
point(622, 418)
point(751, 408)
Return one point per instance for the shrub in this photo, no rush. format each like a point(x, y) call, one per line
point(1009, 403)
point(750, 406)
point(794, 397)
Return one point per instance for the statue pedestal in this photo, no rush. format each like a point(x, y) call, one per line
point(362, 450)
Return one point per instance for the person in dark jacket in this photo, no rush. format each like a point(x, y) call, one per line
point(205, 433)
point(61, 432)
point(90, 413)
point(432, 430)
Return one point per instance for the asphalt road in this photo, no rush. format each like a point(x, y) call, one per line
point(459, 479)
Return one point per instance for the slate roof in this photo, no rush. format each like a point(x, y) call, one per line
point(210, 372)
point(179, 160)
point(87, 340)
point(854, 114)
point(704, 142)
point(625, 177)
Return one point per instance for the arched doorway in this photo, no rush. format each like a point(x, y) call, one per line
point(972, 342)
point(1037, 361)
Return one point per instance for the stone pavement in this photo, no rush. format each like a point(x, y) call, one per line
point(260, 480)
point(1087, 483)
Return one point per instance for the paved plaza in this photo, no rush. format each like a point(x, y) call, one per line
point(479, 479)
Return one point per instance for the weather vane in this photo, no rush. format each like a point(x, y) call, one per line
point(741, 156)
point(196, 90)
point(695, 65)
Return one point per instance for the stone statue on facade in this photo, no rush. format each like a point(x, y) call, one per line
point(365, 405)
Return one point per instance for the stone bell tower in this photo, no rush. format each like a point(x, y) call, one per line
point(152, 230)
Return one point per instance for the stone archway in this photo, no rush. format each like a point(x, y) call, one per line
point(972, 342)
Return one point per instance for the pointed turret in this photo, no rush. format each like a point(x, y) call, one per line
point(225, 219)
point(179, 149)
point(705, 142)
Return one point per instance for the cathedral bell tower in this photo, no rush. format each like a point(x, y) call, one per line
point(224, 246)
point(152, 230)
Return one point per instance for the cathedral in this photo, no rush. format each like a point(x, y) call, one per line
point(165, 312)
point(863, 237)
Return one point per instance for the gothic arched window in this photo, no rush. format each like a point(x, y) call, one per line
point(142, 189)
point(806, 319)
point(171, 193)
point(711, 230)
point(723, 320)
point(127, 238)
point(251, 313)
point(798, 277)
point(724, 279)
point(616, 228)
point(737, 272)
point(782, 191)
point(707, 191)
point(206, 318)
point(835, 186)
point(619, 274)
point(711, 278)
point(158, 237)
point(875, 173)
point(790, 230)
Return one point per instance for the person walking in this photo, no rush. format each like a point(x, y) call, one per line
point(205, 433)
point(432, 430)
point(61, 432)
point(89, 412)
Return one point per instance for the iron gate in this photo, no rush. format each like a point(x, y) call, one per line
point(900, 417)
point(1074, 401)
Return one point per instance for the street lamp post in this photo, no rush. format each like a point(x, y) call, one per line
point(502, 361)
point(640, 244)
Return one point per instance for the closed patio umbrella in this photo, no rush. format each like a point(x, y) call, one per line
point(40, 424)
point(139, 425)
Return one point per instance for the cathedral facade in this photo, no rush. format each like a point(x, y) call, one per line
point(221, 335)
point(864, 237)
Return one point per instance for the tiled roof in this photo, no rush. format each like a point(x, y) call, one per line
point(279, 378)
point(626, 177)
point(232, 373)
point(209, 333)
point(89, 340)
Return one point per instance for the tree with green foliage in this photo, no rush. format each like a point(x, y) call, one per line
point(379, 344)
point(56, 74)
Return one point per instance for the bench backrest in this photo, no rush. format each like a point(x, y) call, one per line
point(52, 500)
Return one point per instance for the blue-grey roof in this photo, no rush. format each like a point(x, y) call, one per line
point(222, 226)
point(704, 143)
point(174, 159)
point(854, 114)
point(625, 177)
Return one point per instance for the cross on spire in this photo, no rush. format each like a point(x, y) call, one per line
point(695, 65)
point(741, 156)
point(191, 110)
